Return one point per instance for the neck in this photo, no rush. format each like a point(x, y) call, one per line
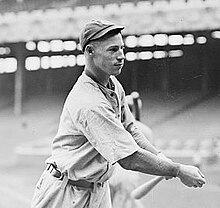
point(97, 76)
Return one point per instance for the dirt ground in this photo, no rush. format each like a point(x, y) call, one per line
point(169, 120)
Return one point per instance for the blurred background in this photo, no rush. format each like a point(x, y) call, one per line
point(172, 61)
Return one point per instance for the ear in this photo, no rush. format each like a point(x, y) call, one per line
point(89, 49)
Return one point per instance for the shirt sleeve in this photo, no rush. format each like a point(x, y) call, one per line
point(107, 134)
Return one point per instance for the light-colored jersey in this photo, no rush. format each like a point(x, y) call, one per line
point(92, 132)
point(92, 137)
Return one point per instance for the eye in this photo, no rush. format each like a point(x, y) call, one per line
point(114, 49)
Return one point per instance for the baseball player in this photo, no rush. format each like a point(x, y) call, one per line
point(97, 130)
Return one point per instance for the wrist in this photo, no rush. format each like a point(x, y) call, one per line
point(177, 169)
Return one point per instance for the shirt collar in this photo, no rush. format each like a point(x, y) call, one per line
point(92, 79)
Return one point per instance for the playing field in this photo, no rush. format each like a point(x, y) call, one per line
point(176, 127)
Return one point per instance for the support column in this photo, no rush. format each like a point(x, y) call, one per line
point(205, 80)
point(49, 83)
point(19, 78)
point(205, 72)
point(134, 76)
point(165, 84)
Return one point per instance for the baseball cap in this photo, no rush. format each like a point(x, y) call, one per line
point(96, 29)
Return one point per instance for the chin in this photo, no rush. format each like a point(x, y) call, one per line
point(117, 71)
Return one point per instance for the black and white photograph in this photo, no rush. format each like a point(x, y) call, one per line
point(109, 104)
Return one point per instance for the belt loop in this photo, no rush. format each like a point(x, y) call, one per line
point(94, 189)
point(48, 166)
point(65, 181)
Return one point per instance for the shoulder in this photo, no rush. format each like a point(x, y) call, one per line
point(85, 95)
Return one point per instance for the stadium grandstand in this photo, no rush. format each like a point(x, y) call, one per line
point(170, 45)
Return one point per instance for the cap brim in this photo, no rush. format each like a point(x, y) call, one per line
point(106, 30)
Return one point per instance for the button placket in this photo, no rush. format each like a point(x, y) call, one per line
point(113, 99)
point(115, 104)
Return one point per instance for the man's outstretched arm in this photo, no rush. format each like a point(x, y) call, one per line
point(146, 162)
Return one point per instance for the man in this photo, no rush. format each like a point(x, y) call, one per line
point(97, 130)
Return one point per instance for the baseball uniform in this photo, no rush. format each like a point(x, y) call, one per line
point(91, 138)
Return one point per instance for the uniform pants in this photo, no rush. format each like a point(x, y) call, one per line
point(51, 192)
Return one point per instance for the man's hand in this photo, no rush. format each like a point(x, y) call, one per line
point(191, 176)
point(161, 155)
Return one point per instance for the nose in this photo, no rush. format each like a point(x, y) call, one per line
point(121, 55)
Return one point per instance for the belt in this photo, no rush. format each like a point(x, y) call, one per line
point(54, 171)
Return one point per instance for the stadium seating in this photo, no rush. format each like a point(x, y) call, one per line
point(96, 5)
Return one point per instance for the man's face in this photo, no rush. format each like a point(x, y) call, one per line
point(109, 55)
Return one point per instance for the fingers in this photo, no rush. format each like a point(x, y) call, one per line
point(168, 177)
point(201, 179)
point(191, 176)
point(199, 182)
point(198, 185)
point(201, 174)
